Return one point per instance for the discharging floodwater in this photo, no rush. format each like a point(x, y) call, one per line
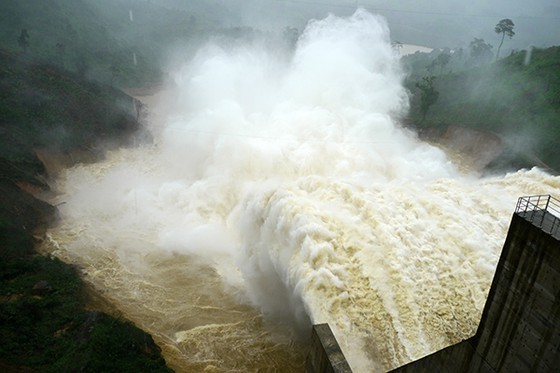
point(280, 194)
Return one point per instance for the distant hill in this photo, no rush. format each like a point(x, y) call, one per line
point(517, 98)
point(97, 39)
point(125, 43)
point(43, 106)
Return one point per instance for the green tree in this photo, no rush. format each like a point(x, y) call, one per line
point(504, 27)
point(441, 60)
point(428, 94)
point(481, 52)
point(23, 40)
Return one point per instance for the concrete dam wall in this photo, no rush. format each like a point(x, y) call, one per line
point(520, 325)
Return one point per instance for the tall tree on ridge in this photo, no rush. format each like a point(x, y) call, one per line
point(504, 27)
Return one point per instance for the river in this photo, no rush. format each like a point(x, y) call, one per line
point(281, 193)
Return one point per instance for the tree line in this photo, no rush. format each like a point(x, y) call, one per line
point(480, 53)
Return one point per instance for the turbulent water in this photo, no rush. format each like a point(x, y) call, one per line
point(280, 193)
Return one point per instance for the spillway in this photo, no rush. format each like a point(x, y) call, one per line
point(283, 193)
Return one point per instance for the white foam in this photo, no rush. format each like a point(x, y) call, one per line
point(291, 184)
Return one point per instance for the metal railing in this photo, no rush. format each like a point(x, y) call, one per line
point(543, 211)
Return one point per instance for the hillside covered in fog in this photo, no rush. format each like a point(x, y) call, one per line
point(134, 42)
point(50, 118)
point(516, 98)
point(137, 43)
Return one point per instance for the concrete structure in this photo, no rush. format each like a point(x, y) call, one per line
point(325, 355)
point(520, 326)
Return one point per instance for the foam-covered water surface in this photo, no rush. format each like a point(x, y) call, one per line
point(281, 193)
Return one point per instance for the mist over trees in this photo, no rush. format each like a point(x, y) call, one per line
point(481, 52)
point(134, 43)
point(96, 33)
point(64, 61)
point(428, 95)
point(516, 98)
point(441, 61)
point(478, 53)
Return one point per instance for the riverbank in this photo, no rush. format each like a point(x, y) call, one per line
point(178, 298)
point(52, 119)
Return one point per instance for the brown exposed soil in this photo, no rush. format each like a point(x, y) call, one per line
point(470, 149)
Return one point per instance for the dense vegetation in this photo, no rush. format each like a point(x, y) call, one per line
point(44, 325)
point(72, 35)
point(517, 97)
point(124, 43)
point(44, 107)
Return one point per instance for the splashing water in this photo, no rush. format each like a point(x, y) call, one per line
point(280, 194)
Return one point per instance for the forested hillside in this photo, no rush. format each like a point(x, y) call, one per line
point(125, 43)
point(76, 36)
point(43, 106)
point(517, 97)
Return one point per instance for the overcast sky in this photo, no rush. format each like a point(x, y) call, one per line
point(435, 23)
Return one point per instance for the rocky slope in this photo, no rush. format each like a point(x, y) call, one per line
point(54, 118)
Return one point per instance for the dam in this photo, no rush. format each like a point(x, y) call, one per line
point(276, 195)
point(520, 325)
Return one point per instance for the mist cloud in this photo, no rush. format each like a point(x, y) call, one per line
point(294, 185)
